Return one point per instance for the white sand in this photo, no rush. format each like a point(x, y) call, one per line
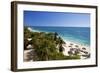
point(73, 45)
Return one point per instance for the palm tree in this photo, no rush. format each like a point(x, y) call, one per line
point(55, 35)
point(61, 49)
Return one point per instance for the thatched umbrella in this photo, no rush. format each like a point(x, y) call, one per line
point(76, 46)
point(70, 53)
point(84, 48)
point(71, 44)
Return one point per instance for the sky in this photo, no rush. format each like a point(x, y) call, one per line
point(60, 19)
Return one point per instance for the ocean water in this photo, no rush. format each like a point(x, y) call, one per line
point(80, 35)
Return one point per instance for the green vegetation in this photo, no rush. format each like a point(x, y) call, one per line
point(45, 46)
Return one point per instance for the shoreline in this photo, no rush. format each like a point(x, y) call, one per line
point(74, 41)
point(69, 44)
point(78, 42)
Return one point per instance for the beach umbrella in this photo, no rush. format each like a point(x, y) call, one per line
point(71, 43)
point(76, 46)
point(70, 53)
point(69, 46)
point(84, 48)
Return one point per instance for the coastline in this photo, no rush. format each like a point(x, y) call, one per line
point(73, 44)
point(68, 45)
point(65, 34)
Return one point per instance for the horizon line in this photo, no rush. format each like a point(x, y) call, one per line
point(52, 26)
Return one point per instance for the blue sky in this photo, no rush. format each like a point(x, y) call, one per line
point(63, 19)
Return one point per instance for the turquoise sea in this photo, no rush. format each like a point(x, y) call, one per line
point(79, 35)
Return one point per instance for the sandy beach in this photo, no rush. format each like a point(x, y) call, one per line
point(83, 50)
